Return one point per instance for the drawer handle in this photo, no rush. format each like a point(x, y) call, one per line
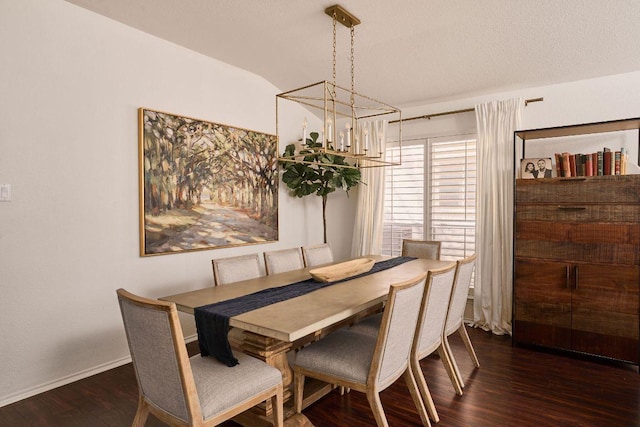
point(572, 179)
point(572, 208)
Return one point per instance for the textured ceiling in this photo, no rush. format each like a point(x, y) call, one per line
point(406, 51)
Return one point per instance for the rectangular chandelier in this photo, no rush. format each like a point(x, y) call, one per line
point(352, 124)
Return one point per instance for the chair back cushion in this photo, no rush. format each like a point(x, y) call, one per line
point(397, 331)
point(459, 294)
point(434, 311)
point(317, 255)
point(235, 269)
point(151, 342)
point(284, 260)
point(421, 249)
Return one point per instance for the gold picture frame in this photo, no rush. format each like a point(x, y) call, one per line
point(204, 185)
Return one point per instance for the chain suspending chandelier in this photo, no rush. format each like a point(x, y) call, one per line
point(352, 123)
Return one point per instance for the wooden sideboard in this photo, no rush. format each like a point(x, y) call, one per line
point(577, 265)
point(577, 255)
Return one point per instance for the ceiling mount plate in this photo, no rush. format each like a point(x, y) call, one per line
point(343, 16)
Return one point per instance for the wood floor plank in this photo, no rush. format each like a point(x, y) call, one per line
point(514, 386)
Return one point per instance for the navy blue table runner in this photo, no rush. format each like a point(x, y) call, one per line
point(212, 320)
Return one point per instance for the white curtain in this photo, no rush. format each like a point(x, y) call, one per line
point(496, 122)
point(367, 232)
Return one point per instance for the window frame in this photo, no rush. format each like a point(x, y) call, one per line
point(391, 241)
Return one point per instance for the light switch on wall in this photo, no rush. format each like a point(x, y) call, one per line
point(5, 192)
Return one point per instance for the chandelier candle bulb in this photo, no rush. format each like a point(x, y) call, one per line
point(366, 139)
point(341, 141)
point(304, 132)
point(329, 133)
point(348, 127)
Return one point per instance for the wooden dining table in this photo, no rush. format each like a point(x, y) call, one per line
point(273, 333)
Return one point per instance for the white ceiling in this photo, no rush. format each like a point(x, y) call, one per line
point(406, 51)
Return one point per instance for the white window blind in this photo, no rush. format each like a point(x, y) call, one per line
point(431, 196)
point(452, 201)
point(403, 198)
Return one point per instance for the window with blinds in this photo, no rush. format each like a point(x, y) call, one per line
point(432, 195)
point(404, 209)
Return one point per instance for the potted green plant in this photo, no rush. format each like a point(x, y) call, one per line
point(323, 176)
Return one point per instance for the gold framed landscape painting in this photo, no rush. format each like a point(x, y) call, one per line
point(204, 185)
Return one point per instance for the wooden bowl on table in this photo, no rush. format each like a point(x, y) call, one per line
point(343, 270)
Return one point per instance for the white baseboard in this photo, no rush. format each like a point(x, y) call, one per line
point(32, 391)
point(29, 392)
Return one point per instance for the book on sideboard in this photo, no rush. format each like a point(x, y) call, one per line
point(605, 162)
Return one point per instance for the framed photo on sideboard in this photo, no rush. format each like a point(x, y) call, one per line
point(534, 168)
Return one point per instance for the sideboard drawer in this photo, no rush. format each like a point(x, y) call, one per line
point(609, 189)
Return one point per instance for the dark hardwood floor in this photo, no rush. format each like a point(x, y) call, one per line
point(513, 387)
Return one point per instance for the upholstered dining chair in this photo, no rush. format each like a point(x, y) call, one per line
point(366, 363)
point(429, 333)
point(183, 391)
point(455, 317)
point(283, 260)
point(231, 270)
point(317, 255)
point(428, 249)
point(235, 269)
point(429, 338)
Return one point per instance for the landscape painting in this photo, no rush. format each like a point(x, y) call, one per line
point(204, 185)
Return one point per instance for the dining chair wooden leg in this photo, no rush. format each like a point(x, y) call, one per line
point(424, 390)
point(376, 407)
point(468, 345)
point(141, 413)
point(447, 347)
point(298, 392)
point(446, 356)
point(276, 405)
point(415, 395)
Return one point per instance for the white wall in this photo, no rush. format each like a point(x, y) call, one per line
point(585, 101)
point(71, 82)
